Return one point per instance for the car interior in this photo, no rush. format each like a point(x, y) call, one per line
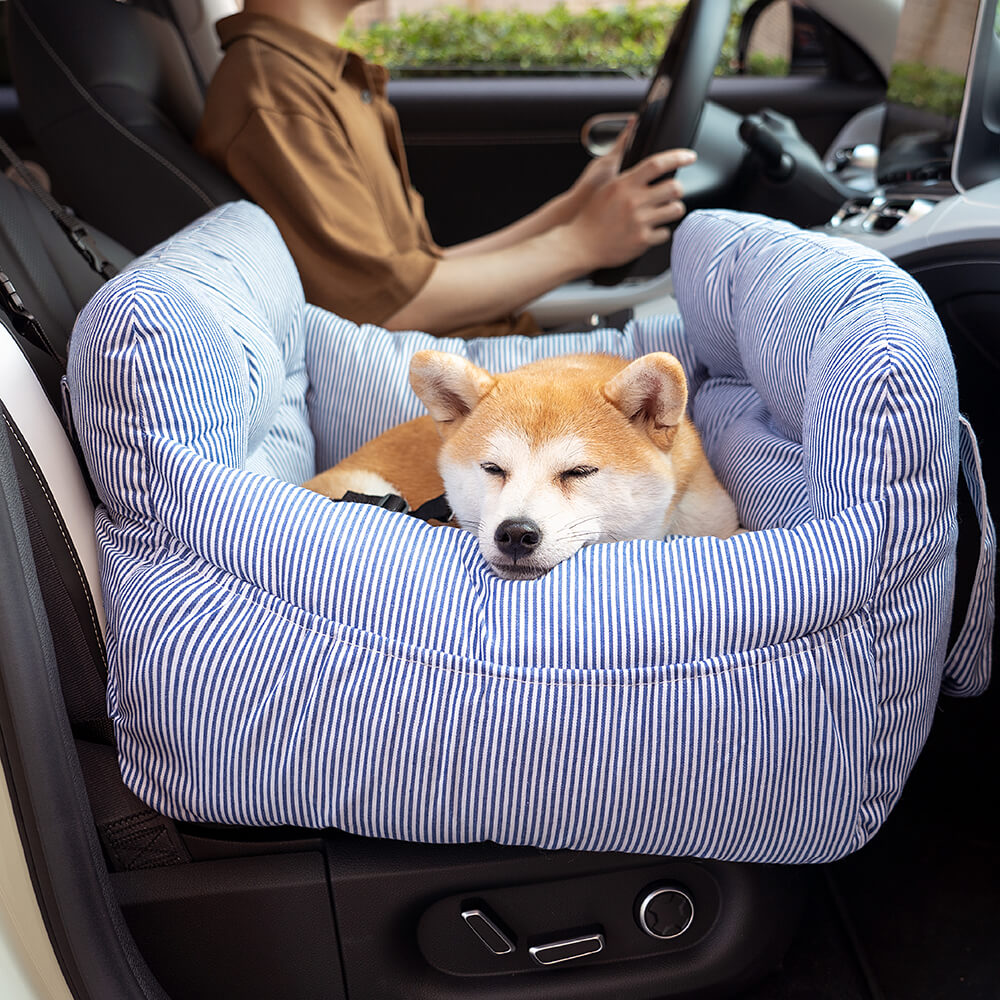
point(106, 96)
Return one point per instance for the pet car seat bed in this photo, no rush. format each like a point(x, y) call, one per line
point(276, 657)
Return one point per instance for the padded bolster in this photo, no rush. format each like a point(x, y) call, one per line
point(209, 334)
point(824, 358)
point(278, 658)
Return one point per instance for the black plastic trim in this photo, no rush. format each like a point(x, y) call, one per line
point(965, 252)
point(382, 889)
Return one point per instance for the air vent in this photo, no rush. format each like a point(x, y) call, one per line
point(888, 215)
point(879, 214)
point(855, 209)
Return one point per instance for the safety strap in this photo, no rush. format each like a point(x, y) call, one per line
point(134, 837)
point(75, 230)
point(437, 509)
point(968, 665)
point(48, 364)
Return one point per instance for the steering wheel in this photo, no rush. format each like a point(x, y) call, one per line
point(669, 114)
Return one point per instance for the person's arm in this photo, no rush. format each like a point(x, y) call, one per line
point(615, 221)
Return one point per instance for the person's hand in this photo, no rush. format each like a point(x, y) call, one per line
point(602, 168)
point(621, 215)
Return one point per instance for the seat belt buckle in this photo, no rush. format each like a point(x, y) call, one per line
point(12, 297)
point(84, 243)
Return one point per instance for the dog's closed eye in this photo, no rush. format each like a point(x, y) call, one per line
point(577, 472)
point(492, 469)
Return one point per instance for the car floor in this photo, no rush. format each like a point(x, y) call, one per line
point(915, 915)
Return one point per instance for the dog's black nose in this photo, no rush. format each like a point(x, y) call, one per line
point(517, 538)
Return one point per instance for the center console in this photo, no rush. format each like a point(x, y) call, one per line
point(933, 205)
point(939, 148)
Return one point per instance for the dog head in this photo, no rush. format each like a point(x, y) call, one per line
point(556, 455)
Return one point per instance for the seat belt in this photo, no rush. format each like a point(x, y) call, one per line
point(134, 837)
point(24, 322)
point(75, 230)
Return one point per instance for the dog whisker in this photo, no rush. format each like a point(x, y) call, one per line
point(578, 536)
point(576, 525)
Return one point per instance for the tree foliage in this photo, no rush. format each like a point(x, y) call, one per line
point(627, 39)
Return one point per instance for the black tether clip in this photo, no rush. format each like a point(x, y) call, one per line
point(435, 509)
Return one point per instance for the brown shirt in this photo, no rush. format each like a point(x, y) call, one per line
point(306, 129)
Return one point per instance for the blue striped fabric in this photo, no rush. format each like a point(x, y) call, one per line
point(967, 669)
point(278, 658)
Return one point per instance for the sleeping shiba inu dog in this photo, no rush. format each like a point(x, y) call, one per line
point(558, 454)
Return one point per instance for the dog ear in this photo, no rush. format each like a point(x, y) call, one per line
point(652, 393)
point(449, 386)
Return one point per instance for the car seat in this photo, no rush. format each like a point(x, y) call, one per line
point(114, 118)
point(825, 393)
point(447, 918)
point(222, 910)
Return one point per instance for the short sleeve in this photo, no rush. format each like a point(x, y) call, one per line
point(351, 255)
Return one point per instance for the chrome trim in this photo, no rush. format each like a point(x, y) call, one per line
point(612, 124)
point(589, 944)
point(647, 901)
point(478, 922)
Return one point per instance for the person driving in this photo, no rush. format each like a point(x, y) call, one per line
point(305, 128)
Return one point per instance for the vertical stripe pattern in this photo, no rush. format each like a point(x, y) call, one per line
point(278, 658)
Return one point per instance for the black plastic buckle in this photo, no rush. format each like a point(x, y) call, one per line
point(390, 501)
point(435, 509)
point(13, 299)
point(23, 320)
point(84, 243)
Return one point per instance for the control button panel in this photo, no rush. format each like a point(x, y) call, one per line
point(593, 918)
point(880, 213)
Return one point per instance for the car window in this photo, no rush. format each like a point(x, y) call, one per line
point(931, 59)
point(769, 41)
point(782, 37)
point(415, 37)
point(534, 35)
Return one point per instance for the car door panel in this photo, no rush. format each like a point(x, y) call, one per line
point(486, 151)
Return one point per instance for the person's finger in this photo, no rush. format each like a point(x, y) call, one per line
point(661, 192)
point(625, 137)
point(665, 215)
point(657, 236)
point(617, 151)
point(663, 163)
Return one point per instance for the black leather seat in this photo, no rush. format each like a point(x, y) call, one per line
point(112, 97)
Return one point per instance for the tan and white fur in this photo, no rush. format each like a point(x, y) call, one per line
point(543, 460)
